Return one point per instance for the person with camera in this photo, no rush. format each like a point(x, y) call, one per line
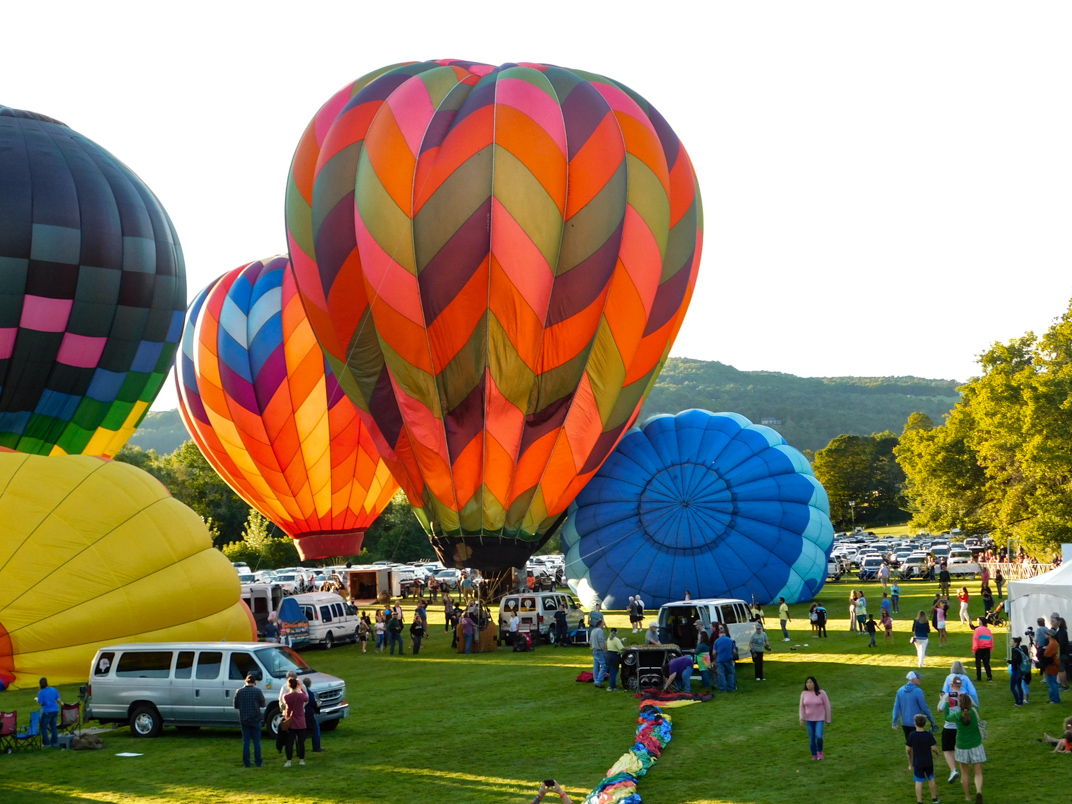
point(551, 784)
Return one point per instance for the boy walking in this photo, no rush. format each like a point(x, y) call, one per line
point(872, 628)
point(920, 745)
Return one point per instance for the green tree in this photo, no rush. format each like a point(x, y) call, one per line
point(193, 481)
point(861, 470)
point(259, 548)
point(396, 535)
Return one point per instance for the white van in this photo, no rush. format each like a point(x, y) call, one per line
point(677, 621)
point(331, 619)
point(535, 611)
point(153, 684)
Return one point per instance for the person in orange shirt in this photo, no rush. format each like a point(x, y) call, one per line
point(982, 643)
point(1052, 658)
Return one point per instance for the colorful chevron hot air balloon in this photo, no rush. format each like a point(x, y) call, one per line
point(95, 552)
point(92, 291)
point(700, 502)
point(496, 261)
point(258, 399)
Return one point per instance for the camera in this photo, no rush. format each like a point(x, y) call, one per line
point(549, 782)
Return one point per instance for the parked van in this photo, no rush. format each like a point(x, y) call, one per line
point(331, 619)
point(262, 599)
point(536, 611)
point(153, 684)
point(677, 621)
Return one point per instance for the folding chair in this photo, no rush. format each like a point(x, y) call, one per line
point(29, 737)
point(8, 729)
point(70, 717)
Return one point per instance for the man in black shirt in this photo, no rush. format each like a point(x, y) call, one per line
point(249, 701)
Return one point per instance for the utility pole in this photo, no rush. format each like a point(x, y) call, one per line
point(852, 510)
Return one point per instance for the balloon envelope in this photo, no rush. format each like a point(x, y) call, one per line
point(496, 261)
point(260, 403)
point(700, 502)
point(95, 552)
point(92, 291)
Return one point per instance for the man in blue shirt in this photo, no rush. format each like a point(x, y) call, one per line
point(910, 701)
point(49, 699)
point(249, 701)
point(727, 671)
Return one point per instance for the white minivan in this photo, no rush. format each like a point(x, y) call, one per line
point(153, 684)
point(331, 619)
point(678, 621)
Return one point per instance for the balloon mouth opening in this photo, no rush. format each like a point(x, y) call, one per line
point(329, 545)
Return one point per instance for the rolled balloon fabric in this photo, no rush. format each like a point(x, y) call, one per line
point(496, 261)
point(704, 503)
point(267, 413)
point(92, 292)
point(95, 552)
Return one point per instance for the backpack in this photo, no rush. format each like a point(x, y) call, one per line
point(1025, 660)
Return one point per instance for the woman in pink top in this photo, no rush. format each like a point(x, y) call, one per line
point(294, 708)
point(814, 714)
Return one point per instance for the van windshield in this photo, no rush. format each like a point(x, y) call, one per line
point(279, 660)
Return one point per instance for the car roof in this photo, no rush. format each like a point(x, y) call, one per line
point(188, 645)
point(714, 601)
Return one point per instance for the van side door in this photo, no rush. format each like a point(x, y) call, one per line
point(239, 665)
point(212, 698)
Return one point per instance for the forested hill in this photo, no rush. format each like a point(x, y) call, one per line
point(807, 411)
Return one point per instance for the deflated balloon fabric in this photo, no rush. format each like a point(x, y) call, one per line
point(620, 784)
point(704, 503)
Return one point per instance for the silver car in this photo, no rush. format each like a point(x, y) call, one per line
point(153, 684)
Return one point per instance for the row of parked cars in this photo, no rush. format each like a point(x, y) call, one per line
point(907, 557)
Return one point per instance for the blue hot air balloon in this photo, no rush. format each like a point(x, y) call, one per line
point(702, 502)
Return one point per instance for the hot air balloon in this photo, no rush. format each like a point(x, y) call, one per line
point(95, 552)
point(258, 399)
point(496, 261)
point(92, 291)
point(702, 502)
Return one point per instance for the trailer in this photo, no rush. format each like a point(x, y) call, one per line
point(368, 583)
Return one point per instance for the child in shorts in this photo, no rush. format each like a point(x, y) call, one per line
point(1064, 746)
point(872, 628)
point(920, 745)
point(887, 623)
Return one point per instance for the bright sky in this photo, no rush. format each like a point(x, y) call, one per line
point(886, 186)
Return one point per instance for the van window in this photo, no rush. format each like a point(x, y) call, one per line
point(260, 605)
point(242, 664)
point(104, 663)
point(208, 665)
point(184, 665)
point(528, 603)
point(336, 609)
point(743, 615)
point(309, 612)
point(144, 664)
point(727, 614)
point(549, 604)
point(325, 613)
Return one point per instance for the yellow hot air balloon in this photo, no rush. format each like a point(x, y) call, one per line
point(94, 552)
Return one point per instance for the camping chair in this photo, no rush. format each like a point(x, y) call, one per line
point(29, 737)
point(70, 717)
point(8, 728)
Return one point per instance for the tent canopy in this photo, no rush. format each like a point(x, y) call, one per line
point(1040, 596)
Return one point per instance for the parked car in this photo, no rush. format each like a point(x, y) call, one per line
point(677, 621)
point(915, 566)
point(869, 568)
point(448, 578)
point(150, 685)
point(535, 610)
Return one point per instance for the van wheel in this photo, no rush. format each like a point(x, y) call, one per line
point(145, 721)
point(272, 718)
point(329, 725)
point(329, 641)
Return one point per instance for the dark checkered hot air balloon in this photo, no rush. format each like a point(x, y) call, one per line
point(92, 291)
point(496, 261)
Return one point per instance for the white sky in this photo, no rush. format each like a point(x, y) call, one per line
point(885, 185)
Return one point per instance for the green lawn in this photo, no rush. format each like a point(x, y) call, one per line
point(487, 728)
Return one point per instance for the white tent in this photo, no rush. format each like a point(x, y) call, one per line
point(1040, 596)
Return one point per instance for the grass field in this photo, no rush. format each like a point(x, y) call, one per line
point(487, 728)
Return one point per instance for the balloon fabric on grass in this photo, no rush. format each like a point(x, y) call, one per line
point(496, 261)
point(265, 411)
point(96, 552)
point(700, 502)
point(92, 292)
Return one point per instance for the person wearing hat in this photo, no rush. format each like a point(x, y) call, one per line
point(757, 644)
point(652, 637)
point(598, 639)
point(951, 691)
point(908, 703)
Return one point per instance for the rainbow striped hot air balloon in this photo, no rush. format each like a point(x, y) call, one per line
point(496, 261)
point(95, 552)
point(257, 397)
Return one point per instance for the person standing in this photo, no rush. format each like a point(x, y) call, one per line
point(999, 581)
point(417, 631)
point(598, 638)
point(381, 632)
point(941, 623)
point(820, 619)
point(757, 644)
point(1060, 630)
point(895, 597)
point(633, 614)
point(861, 610)
point(970, 754)
point(884, 576)
point(784, 618)
point(294, 710)
point(514, 624)
point(962, 596)
point(951, 689)
point(394, 633)
point(725, 667)
point(852, 611)
point(921, 744)
point(49, 700)
point(312, 709)
point(872, 628)
point(615, 647)
point(814, 714)
point(1051, 657)
point(448, 611)
point(908, 703)
point(921, 631)
point(468, 628)
point(250, 703)
point(887, 626)
point(1017, 660)
point(982, 643)
point(943, 581)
